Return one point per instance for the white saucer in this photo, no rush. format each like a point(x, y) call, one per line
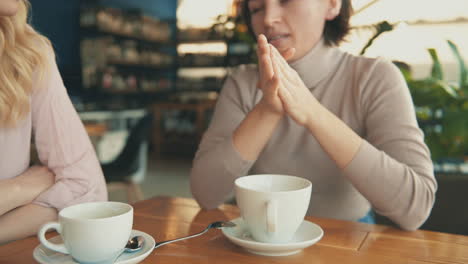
point(307, 235)
point(44, 255)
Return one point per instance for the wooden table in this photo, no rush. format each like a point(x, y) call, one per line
point(343, 242)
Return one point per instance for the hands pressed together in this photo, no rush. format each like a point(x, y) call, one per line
point(284, 92)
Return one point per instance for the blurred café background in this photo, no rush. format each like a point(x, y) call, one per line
point(123, 59)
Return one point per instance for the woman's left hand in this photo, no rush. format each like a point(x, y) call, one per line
point(298, 101)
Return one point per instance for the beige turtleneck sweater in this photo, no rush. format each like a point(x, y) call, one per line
point(391, 172)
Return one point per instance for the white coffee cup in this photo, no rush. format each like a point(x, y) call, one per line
point(273, 206)
point(94, 232)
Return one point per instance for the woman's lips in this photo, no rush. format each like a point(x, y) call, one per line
point(280, 41)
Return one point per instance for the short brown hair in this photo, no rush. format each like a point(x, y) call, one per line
point(334, 32)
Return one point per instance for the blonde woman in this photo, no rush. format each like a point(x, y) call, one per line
point(34, 102)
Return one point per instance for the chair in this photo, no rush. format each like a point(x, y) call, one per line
point(129, 168)
point(448, 214)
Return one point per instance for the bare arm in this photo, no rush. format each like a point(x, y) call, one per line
point(24, 221)
point(24, 188)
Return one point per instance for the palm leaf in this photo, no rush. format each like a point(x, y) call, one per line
point(450, 89)
point(436, 72)
point(462, 67)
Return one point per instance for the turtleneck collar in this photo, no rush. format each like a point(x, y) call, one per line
point(317, 64)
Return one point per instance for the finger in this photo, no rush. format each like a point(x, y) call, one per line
point(273, 84)
point(278, 75)
point(260, 49)
point(277, 55)
point(283, 91)
point(270, 90)
point(282, 66)
point(262, 45)
point(285, 87)
point(278, 66)
point(267, 70)
point(285, 97)
point(263, 53)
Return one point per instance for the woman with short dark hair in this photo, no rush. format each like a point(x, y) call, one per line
point(345, 122)
point(334, 32)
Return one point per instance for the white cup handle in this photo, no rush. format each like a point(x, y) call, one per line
point(55, 247)
point(272, 215)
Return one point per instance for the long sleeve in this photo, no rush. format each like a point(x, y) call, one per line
point(392, 168)
point(217, 163)
point(63, 145)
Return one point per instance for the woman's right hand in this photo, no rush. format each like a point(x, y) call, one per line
point(25, 188)
point(268, 82)
point(35, 180)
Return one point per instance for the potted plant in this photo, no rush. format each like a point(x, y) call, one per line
point(442, 111)
point(442, 108)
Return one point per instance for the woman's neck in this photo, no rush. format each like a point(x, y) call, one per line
point(317, 63)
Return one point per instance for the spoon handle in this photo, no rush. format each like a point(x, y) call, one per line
point(158, 244)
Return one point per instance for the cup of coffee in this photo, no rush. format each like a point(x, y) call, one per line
point(94, 232)
point(272, 206)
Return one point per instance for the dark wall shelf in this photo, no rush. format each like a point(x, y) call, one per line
point(201, 66)
point(201, 41)
point(95, 31)
point(125, 54)
point(135, 66)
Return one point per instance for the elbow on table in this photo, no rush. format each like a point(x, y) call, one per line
point(205, 202)
point(69, 192)
point(411, 225)
point(414, 221)
point(200, 193)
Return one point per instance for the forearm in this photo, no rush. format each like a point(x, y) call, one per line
point(259, 122)
point(24, 188)
point(219, 161)
point(403, 191)
point(24, 221)
point(339, 141)
point(13, 197)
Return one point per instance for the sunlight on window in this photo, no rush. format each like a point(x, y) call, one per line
point(412, 10)
point(422, 24)
point(201, 13)
point(216, 48)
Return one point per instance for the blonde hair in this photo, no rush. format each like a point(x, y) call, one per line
point(22, 54)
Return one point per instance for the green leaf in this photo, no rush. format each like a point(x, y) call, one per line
point(436, 71)
point(380, 28)
point(450, 89)
point(405, 71)
point(461, 64)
